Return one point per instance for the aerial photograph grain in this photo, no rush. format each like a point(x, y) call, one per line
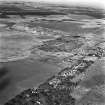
point(52, 52)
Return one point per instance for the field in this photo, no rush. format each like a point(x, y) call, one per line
point(51, 55)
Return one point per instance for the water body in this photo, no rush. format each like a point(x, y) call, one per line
point(23, 74)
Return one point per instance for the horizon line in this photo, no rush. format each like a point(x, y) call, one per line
point(84, 3)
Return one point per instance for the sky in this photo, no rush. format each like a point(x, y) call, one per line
point(98, 3)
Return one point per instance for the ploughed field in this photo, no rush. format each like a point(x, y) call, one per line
point(51, 59)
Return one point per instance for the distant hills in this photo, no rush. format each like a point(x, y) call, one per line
point(29, 8)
